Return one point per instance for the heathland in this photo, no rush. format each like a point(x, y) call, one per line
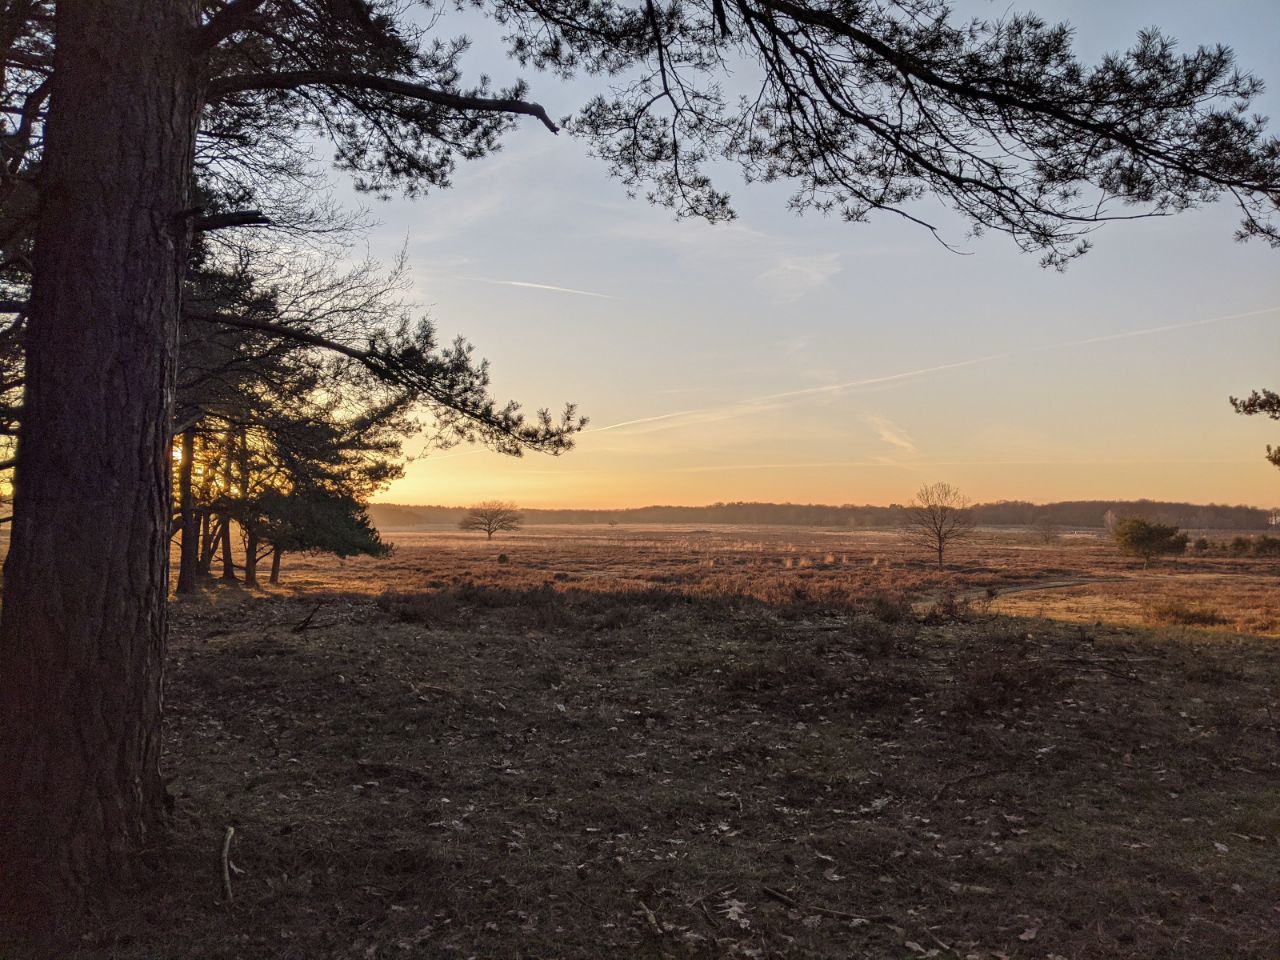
point(646, 741)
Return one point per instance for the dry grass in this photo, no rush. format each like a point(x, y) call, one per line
point(568, 756)
point(833, 569)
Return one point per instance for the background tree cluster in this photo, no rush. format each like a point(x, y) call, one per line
point(1137, 537)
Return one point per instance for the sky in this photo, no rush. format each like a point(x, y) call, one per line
point(804, 359)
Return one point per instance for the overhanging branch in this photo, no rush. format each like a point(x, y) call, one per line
point(338, 79)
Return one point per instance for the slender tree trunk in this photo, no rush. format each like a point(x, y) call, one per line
point(189, 549)
point(224, 541)
point(247, 520)
point(82, 633)
point(251, 542)
point(276, 554)
point(208, 541)
point(228, 481)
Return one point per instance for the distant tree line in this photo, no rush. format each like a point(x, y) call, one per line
point(1077, 514)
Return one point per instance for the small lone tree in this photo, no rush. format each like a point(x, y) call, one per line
point(1143, 538)
point(492, 516)
point(314, 520)
point(937, 517)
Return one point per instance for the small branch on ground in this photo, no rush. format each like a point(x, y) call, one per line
point(299, 627)
point(226, 864)
point(825, 911)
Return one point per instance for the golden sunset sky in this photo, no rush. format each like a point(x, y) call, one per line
point(809, 360)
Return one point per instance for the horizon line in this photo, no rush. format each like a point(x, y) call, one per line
point(827, 506)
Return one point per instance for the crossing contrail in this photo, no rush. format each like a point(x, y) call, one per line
point(724, 411)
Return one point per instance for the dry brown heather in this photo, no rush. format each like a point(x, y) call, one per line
point(738, 743)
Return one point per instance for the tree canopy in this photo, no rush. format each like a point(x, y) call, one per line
point(492, 516)
point(937, 517)
point(1143, 538)
point(1264, 403)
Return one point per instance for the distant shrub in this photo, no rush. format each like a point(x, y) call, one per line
point(503, 558)
point(1240, 546)
point(1143, 538)
point(537, 607)
point(435, 608)
point(1201, 545)
point(1177, 612)
point(889, 607)
point(1265, 546)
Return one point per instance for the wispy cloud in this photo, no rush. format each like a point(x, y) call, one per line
point(890, 432)
point(791, 276)
point(784, 271)
point(542, 286)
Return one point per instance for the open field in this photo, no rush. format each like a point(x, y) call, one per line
point(839, 569)
point(736, 743)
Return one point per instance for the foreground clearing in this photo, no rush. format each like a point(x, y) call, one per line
point(498, 773)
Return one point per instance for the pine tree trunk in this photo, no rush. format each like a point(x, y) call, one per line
point(247, 522)
point(224, 519)
point(82, 633)
point(228, 561)
point(251, 556)
point(208, 542)
point(276, 554)
point(189, 544)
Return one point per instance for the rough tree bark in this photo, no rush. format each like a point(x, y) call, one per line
point(82, 633)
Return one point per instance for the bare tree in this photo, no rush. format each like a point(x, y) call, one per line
point(938, 517)
point(492, 516)
point(1046, 528)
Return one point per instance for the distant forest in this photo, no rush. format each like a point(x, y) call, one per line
point(1069, 513)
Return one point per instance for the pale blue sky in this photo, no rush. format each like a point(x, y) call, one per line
point(725, 334)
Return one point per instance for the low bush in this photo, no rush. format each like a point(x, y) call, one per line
point(1265, 546)
point(1177, 612)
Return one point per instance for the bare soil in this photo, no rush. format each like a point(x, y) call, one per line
point(562, 755)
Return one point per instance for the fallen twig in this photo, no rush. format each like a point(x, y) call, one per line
point(825, 911)
point(652, 920)
point(299, 627)
point(226, 864)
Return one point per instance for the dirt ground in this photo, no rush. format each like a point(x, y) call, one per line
point(677, 744)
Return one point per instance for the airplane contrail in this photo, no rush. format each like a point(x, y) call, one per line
point(543, 286)
point(744, 406)
point(916, 464)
